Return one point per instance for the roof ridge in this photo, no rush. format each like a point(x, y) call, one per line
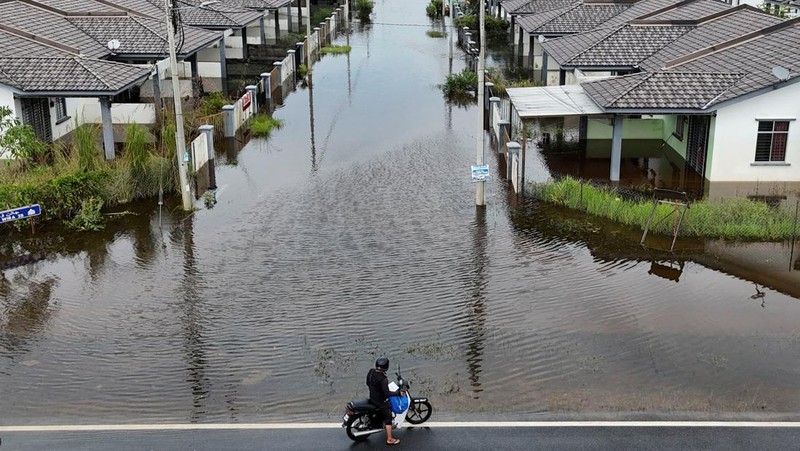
point(595, 44)
point(665, 9)
point(730, 43)
point(635, 85)
point(80, 61)
point(39, 39)
point(146, 26)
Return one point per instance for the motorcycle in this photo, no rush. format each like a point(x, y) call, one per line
point(362, 418)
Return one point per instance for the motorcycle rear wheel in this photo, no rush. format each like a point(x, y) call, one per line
point(356, 423)
point(419, 412)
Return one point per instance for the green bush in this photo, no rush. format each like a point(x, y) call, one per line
point(319, 16)
point(364, 9)
point(262, 125)
point(434, 9)
point(496, 29)
point(89, 217)
point(460, 84)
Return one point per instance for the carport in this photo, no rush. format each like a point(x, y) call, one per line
point(562, 101)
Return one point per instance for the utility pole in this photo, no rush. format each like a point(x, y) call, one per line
point(479, 190)
point(180, 137)
point(308, 36)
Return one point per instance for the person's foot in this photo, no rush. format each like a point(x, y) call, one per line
point(393, 441)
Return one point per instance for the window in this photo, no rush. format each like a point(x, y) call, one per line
point(771, 141)
point(60, 104)
point(680, 121)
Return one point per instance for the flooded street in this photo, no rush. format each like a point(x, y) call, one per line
point(352, 232)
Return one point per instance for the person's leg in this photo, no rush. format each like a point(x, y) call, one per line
point(387, 424)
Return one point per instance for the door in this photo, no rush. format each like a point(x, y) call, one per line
point(36, 113)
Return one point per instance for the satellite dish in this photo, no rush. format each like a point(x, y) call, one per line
point(541, 38)
point(113, 45)
point(781, 73)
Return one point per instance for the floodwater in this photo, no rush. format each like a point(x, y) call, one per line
point(351, 233)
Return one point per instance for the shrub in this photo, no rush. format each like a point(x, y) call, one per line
point(335, 49)
point(89, 217)
point(364, 9)
point(460, 84)
point(262, 125)
point(320, 15)
point(434, 9)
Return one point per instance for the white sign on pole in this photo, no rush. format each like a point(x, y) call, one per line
point(480, 172)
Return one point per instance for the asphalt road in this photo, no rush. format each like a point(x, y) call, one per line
point(452, 437)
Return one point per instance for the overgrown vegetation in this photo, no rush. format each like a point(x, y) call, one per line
point(501, 83)
point(738, 218)
point(496, 29)
point(262, 125)
point(776, 10)
point(436, 34)
point(364, 9)
point(76, 182)
point(319, 16)
point(335, 49)
point(460, 84)
point(434, 9)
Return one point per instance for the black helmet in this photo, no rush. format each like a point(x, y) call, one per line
point(382, 363)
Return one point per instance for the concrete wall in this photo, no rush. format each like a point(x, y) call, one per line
point(735, 132)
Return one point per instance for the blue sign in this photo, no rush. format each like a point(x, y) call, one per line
point(480, 173)
point(20, 213)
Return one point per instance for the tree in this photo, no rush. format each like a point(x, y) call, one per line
point(19, 140)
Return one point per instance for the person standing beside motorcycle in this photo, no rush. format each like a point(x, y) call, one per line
point(379, 394)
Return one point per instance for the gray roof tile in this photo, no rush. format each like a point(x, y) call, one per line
point(517, 7)
point(573, 19)
point(142, 36)
point(78, 6)
point(31, 19)
point(69, 74)
point(13, 45)
point(689, 10)
point(739, 19)
point(625, 47)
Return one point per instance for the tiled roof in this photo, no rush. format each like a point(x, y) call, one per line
point(78, 6)
point(625, 47)
point(754, 54)
point(662, 90)
point(738, 19)
point(574, 19)
point(215, 15)
point(710, 76)
point(258, 4)
point(13, 45)
point(142, 36)
point(67, 74)
point(638, 9)
point(40, 22)
point(536, 6)
point(142, 7)
point(689, 10)
point(564, 48)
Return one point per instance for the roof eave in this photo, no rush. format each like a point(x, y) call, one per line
point(62, 93)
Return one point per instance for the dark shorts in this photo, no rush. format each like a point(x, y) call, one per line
point(386, 410)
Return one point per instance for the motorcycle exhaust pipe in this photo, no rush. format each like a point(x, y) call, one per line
point(362, 433)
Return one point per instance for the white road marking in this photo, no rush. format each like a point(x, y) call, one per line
point(445, 424)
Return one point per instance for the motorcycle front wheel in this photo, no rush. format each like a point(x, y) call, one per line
point(419, 412)
point(357, 423)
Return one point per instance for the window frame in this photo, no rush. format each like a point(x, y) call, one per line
point(60, 105)
point(762, 134)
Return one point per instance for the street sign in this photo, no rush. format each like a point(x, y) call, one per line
point(480, 173)
point(20, 213)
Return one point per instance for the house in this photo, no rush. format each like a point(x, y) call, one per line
point(725, 107)
point(647, 42)
point(111, 35)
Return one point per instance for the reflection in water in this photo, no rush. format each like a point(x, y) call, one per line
point(476, 307)
point(759, 295)
point(311, 118)
point(192, 321)
point(26, 308)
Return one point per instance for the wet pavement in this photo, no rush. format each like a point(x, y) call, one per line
point(352, 232)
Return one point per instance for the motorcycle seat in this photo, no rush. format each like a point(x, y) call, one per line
point(361, 405)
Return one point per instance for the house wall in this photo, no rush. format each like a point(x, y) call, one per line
point(121, 113)
point(233, 46)
point(208, 64)
point(735, 132)
point(7, 100)
point(602, 128)
point(679, 145)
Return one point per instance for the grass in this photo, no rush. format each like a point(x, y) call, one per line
point(436, 34)
point(262, 125)
point(335, 49)
point(736, 218)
